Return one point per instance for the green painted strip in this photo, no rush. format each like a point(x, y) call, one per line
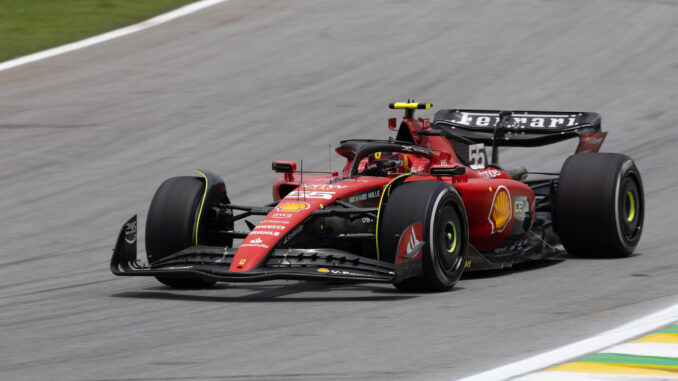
point(673, 329)
point(621, 359)
point(202, 203)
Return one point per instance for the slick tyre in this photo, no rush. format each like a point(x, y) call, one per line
point(172, 222)
point(440, 210)
point(600, 205)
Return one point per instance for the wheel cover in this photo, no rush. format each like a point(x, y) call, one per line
point(447, 244)
point(450, 236)
point(630, 206)
point(630, 209)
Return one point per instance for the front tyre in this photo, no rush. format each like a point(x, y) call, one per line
point(445, 231)
point(172, 224)
point(600, 205)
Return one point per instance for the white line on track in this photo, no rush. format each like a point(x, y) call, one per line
point(155, 21)
point(593, 344)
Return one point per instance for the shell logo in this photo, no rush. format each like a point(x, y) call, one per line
point(293, 206)
point(500, 214)
point(323, 270)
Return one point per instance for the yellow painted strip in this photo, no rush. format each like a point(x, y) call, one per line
point(589, 367)
point(381, 200)
point(658, 338)
point(202, 203)
point(411, 106)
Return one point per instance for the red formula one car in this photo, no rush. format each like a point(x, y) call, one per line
point(416, 210)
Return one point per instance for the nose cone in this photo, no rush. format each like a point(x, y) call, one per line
point(284, 218)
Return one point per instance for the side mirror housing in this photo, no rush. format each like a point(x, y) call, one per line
point(284, 166)
point(447, 171)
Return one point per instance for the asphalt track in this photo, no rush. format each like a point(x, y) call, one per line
point(86, 137)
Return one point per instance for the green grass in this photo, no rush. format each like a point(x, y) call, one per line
point(28, 26)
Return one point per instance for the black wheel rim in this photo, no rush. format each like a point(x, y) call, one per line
point(447, 238)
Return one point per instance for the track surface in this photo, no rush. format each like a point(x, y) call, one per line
point(85, 139)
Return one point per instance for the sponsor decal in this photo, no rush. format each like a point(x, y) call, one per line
point(420, 149)
point(276, 227)
point(377, 155)
point(476, 156)
point(366, 220)
point(281, 215)
point(242, 262)
point(293, 207)
point(264, 232)
point(342, 272)
point(131, 232)
point(375, 193)
point(407, 148)
point(410, 239)
point(323, 195)
point(488, 174)
point(591, 142)
point(257, 242)
point(325, 186)
point(467, 264)
point(293, 234)
point(521, 208)
point(336, 272)
point(413, 241)
point(518, 121)
point(500, 213)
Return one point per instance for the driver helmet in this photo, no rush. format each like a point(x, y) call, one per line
point(389, 162)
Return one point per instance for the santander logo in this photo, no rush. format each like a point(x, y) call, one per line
point(410, 244)
point(413, 241)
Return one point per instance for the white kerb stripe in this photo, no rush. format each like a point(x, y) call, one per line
point(646, 349)
point(580, 348)
point(163, 18)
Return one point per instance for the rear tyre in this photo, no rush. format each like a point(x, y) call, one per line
point(171, 224)
point(445, 231)
point(600, 205)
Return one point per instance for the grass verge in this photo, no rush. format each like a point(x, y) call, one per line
point(29, 26)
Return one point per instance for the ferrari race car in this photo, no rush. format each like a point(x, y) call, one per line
point(416, 210)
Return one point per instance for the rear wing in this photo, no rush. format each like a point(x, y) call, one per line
point(519, 128)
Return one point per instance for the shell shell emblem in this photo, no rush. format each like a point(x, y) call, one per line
point(500, 214)
point(293, 206)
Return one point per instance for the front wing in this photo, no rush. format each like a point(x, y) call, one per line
point(213, 263)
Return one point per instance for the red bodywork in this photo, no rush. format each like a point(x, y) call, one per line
point(494, 202)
